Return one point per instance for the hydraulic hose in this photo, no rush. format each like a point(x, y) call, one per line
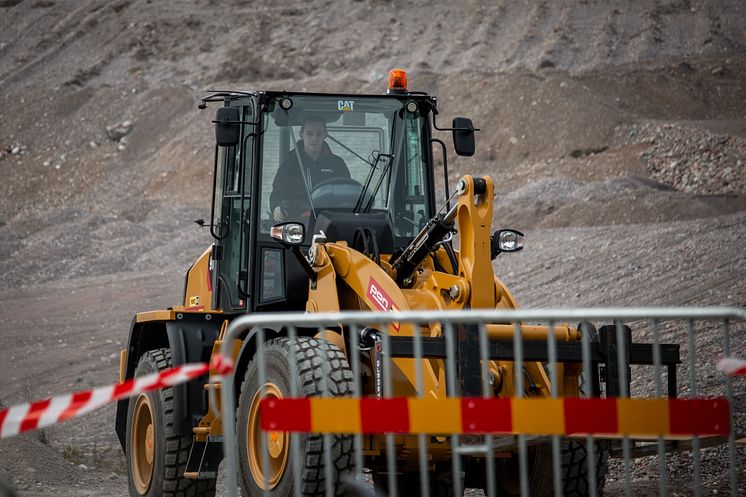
point(433, 232)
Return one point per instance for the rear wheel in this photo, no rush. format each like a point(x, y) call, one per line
point(575, 477)
point(156, 456)
point(573, 473)
point(266, 459)
point(576, 480)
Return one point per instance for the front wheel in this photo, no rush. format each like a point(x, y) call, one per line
point(156, 456)
point(266, 460)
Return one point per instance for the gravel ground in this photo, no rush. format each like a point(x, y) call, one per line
point(606, 269)
point(616, 136)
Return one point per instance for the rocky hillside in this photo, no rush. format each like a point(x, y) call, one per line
point(615, 132)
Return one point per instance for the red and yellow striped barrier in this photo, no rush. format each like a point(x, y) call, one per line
point(565, 416)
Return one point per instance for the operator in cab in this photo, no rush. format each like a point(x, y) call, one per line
point(308, 165)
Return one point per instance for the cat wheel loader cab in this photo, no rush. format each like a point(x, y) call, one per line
point(321, 202)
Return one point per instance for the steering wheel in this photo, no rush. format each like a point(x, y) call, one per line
point(335, 181)
point(336, 192)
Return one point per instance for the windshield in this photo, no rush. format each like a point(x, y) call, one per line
point(350, 154)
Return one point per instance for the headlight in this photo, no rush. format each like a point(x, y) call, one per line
point(288, 233)
point(510, 241)
point(505, 241)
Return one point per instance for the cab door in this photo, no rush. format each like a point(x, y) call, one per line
point(235, 218)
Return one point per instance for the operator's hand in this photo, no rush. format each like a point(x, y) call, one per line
point(278, 214)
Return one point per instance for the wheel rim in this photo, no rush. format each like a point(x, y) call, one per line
point(142, 444)
point(274, 448)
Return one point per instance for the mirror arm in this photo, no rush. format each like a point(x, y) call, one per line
point(235, 122)
point(435, 125)
point(295, 249)
point(445, 168)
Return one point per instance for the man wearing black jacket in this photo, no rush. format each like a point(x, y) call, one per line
point(289, 197)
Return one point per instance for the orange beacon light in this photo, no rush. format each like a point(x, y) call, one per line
point(397, 81)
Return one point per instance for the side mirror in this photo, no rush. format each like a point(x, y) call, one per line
point(289, 234)
point(227, 130)
point(506, 241)
point(463, 136)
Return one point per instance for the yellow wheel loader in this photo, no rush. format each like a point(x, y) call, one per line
point(323, 203)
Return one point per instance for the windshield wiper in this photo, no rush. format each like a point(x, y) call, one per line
point(373, 167)
point(384, 172)
point(368, 179)
point(350, 150)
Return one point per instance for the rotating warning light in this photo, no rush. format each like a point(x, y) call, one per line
point(397, 81)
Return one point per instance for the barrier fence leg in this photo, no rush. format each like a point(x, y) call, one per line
point(732, 435)
point(554, 383)
point(421, 437)
point(295, 391)
point(658, 370)
point(692, 354)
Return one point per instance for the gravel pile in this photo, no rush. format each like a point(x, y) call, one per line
point(690, 159)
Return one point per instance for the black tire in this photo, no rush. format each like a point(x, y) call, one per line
point(574, 452)
point(574, 472)
point(575, 479)
point(574, 467)
point(170, 451)
point(310, 355)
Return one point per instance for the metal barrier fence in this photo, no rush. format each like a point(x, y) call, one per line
point(376, 402)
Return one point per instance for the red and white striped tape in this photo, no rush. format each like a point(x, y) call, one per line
point(221, 365)
point(732, 366)
point(35, 415)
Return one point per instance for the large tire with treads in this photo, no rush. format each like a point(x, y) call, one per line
point(574, 470)
point(575, 478)
point(321, 369)
point(156, 456)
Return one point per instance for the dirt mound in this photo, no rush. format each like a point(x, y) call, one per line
point(556, 202)
point(28, 464)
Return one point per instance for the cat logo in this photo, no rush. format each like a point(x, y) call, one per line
point(346, 105)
